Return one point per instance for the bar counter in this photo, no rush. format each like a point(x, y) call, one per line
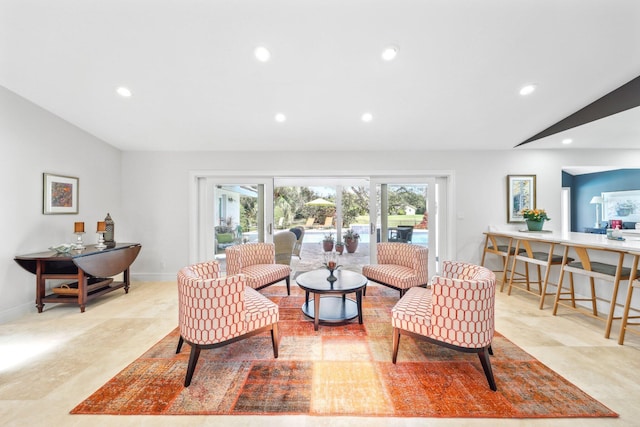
point(630, 244)
point(597, 259)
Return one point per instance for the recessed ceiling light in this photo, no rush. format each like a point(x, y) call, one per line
point(389, 53)
point(280, 118)
point(567, 141)
point(527, 90)
point(262, 54)
point(124, 92)
point(367, 117)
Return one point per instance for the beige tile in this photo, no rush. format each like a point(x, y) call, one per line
point(53, 360)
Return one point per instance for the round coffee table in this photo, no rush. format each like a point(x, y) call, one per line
point(333, 306)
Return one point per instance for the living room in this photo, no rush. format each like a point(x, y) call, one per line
point(150, 194)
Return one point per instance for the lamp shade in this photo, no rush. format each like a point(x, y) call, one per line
point(596, 200)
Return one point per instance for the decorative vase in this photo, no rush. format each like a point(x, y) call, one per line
point(534, 225)
point(331, 264)
point(327, 245)
point(339, 248)
point(351, 245)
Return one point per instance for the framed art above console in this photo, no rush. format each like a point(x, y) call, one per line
point(59, 194)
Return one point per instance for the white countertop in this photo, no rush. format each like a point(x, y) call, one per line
point(630, 244)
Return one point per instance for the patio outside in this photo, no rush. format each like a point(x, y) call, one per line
point(314, 208)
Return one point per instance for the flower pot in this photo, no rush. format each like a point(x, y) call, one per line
point(351, 245)
point(340, 248)
point(327, 246)
point(534, 225)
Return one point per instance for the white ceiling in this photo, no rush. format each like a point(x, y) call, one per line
point(197, 86)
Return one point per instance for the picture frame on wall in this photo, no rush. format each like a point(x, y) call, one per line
point(59, 194)
point(521, 194)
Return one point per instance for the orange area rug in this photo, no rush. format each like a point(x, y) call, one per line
point(341, 369)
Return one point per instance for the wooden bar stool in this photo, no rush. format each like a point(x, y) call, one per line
point(502, 246)
point(634, 282)
point(543, 258)
point(594, 270)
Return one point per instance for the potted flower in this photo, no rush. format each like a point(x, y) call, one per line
point(327, 242)
point(535, 218)
point(351, 240)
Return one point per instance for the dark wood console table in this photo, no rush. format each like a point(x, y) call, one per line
point(81, 265)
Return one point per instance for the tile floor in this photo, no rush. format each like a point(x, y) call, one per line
point(49, 362)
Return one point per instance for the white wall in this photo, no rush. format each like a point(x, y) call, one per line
point(33, 141)
point(156, 194)
point(147, 193)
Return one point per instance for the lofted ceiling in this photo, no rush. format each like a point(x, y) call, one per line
point(196, 84)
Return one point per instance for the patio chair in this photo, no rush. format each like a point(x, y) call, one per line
point(284, 242)
point(299, 232)
point(215, 311)
point(456, 312)
point(401, 233)
point(309, 222)
point(328, 222)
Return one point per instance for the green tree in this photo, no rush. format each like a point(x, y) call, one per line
point(355, 202)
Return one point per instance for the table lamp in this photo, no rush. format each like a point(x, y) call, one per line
point(597, 200)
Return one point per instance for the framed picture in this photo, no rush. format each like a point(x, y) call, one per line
point(521, 194)
point(624, 205)
point(60, 194)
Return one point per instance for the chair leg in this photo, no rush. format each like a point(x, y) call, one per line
point(556, 301)
point(288, 279)
point(274, 340)
point(193, 359)
point(483, 354)
point(594, 304)
point(180, 342)
point(396, 343)
point(545, 283)
point(625, 314)
point(490, 349)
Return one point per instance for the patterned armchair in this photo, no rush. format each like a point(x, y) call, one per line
point(257, 261)
point(203, 325)
point(400, 266)
point(456, 312)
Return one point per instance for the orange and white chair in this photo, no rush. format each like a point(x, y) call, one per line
point(215, 311)
point(257, 261)
point(399, 266)
point(457, 312)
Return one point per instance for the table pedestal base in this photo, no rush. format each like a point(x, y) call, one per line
point(333, 309)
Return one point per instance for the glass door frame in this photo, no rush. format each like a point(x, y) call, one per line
point(202, 207)
point(430, 182)
point(444, 206)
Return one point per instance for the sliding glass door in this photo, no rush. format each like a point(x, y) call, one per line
point(405, 210)
point(232, 211)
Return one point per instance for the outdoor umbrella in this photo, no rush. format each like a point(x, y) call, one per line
point(320, 202)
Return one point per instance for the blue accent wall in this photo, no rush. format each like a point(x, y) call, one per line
point(584, 187)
